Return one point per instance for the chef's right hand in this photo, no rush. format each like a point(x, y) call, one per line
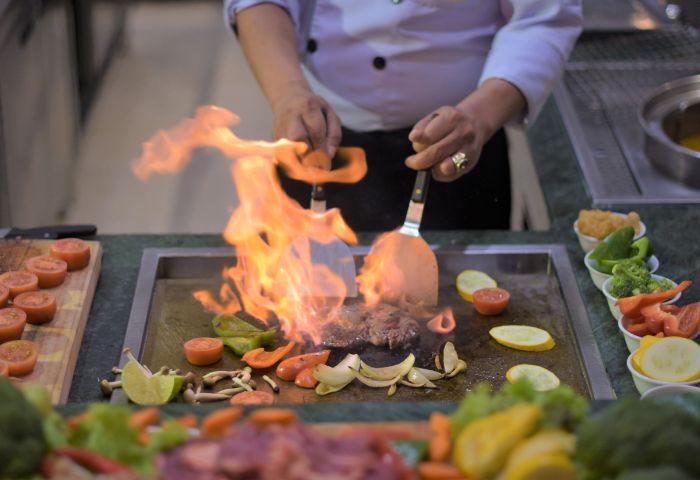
point(304, 116)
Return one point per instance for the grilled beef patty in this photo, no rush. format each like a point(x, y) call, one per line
point(380, 325)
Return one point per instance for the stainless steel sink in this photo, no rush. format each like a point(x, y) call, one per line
point(605, 83)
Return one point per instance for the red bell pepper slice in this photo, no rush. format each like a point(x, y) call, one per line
point(686, 323)
point(656, 318)
point(92, 461)
point(632, 306)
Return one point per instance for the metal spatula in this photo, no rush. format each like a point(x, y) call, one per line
point(334, 254)
point(412, 254)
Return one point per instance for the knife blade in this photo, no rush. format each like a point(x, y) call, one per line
point(49, 231)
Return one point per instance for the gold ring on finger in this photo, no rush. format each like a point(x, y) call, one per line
point(460, 161)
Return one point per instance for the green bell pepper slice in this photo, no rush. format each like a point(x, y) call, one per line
point(639, 251)
point(233, 326)
point(242, 345)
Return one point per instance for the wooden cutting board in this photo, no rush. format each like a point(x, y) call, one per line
point(58, 340)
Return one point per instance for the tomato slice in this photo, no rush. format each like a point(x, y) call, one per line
point(40, 306)
point(689, 320)
point(20, 355)
point(4, 295)
point(19, 282)
point(259, 358)
point(12, 322)
point(289, 368)
point(74, 251)
point(50, 271)
point(203, 350)
point(255, 397)
point(4, 369)
point(491, 301)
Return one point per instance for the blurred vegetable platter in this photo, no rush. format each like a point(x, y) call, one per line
point(514, 433)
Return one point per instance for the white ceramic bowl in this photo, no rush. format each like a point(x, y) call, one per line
point(674, 389)
point(644, 383)
point(588, 243)
point(632, 341)
point(599, 277)
point(612, 300)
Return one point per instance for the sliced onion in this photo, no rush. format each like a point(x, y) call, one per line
point(418, 379)
point(449, 357)
point(461, 366)
point(341, 374)
point(325, 389)
point(370, 382)
point(387, 373)
point(392, 390)
point(430, 374)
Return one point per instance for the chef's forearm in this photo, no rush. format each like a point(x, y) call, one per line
point(494, 103)
point(268, 40)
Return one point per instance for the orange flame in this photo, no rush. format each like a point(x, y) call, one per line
point(273, 274)
point(380, 279)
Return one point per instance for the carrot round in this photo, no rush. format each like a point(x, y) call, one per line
point(440, 434)
point(203, 350)
point(255, 397)
point(306, 379)
point(144, 417)
point(187, 421)
point(438, 471)
point(74, 251)
point(289, 368)
point(259, 358)
point(217, 423)
point(50, 271)
point(272, 416)
point(40, 306)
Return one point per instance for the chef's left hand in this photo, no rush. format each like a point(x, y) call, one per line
point(444, 133)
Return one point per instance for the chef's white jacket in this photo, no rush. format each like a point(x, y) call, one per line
point(384, 64)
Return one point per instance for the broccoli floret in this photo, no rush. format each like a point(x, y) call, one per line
point(632, 278)
point(637, 435)
point(22, 445)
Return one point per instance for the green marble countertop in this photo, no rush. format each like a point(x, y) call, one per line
point(673, 230)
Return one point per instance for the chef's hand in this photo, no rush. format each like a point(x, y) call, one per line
point(306, 117)
point(445, 133)
point(454, 136)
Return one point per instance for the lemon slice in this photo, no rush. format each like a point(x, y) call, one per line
point(523, 337)
point(469, 281)
point(672, 359)
point(540, 378)
point(644, 343)
point(144, 390)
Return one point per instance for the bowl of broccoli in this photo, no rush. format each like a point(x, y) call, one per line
point(599, 277)
point(630, 279)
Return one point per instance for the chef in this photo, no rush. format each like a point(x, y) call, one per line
point(444, 76)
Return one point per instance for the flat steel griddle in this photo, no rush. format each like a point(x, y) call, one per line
point(539, 277)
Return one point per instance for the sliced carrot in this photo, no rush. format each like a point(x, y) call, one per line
point(74, 421)
point(50, 271)
point(203, 350)
point(632, 306)
point(438, 471)
point(217, 423)
point(306, 379)
point(259, 358)
point(4, 369)
point(255, 397)
point(20, 355)
point(74, 251)
point(40, 306)
point(272, 416)
point(440, 433)
point(19, 282)
point(187, 421)
point(144, 437)
point(289, 368)
point(144, 417)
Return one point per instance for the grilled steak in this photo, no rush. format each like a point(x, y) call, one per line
point(380, 325)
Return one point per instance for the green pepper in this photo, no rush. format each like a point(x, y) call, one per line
point(232, 326)
point(615, 246)
point(639, 251)
point(242, 345)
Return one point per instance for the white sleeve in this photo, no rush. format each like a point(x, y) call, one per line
point(292, 7)
point(531, 49)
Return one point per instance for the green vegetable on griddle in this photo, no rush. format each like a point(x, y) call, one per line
point(241, 336)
